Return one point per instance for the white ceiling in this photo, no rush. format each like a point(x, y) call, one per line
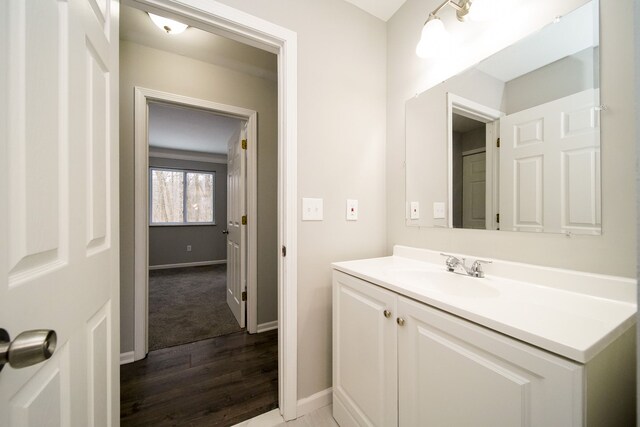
point(136, 27)
point(382, 9)
point(181, 128)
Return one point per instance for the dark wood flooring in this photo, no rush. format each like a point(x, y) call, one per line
point(215, 382)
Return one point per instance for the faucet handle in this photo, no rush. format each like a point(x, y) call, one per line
point(452, 262)
point(476, 267)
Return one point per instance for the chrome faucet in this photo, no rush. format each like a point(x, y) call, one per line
point(475, 270)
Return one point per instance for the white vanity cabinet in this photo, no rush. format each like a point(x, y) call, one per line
point(365, 357)
point(399, 362)
point(452, 372)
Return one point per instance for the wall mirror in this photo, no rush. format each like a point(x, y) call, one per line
point(513, 143)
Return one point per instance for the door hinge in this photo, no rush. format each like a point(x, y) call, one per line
point(498, 217)
point(244, 220)
point(498, 142)
point(244, 144)
point(244, 295)
point(284, 251)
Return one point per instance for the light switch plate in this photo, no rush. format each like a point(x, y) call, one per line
point(352, 210)
point(414, 210)
point(438, 210)
point(312, 209)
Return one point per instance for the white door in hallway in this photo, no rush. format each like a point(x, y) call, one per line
point(237, 235)
point(59, 208)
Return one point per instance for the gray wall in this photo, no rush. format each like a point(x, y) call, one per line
point(614, 252)
point(341, 143)
point(168, 244)
point(561, 78)
point(159, 70)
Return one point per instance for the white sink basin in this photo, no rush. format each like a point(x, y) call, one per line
point(446, 282)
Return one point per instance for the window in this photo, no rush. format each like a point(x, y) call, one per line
point(180, 197)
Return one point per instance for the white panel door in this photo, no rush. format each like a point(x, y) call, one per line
point(364, 354)
point(550, 167)
point(474, 189)
point(236, 231)
point(59, 212)
point(454, 373)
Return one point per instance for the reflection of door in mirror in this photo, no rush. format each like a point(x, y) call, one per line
point(474, 179)
point(469, 172)
point(551, 156)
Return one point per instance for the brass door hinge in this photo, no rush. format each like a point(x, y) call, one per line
point(244, 295)
point(498, 142)
point(497, 217)
point(244, 220)
point(244, 144)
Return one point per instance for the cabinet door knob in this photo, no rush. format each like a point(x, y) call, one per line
point(400, 321)
point(387, 314)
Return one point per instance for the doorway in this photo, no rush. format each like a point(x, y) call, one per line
point(187, 285)
point(284, 201)
point(469, 172)
point(473, 163)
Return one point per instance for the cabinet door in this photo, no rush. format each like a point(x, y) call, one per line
point(455, 373)
point(364, 354)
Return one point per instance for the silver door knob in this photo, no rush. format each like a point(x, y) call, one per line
point(400, 321)
point(387, 314)
point(225, 231)
point(28, 348)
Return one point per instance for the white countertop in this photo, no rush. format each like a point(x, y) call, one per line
point(572, 324)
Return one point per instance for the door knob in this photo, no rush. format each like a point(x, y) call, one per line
point(28, 348)
point(400, 321)
point(387, 314)
point(225, 231)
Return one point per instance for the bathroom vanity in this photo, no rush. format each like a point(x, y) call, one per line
point(417, 345)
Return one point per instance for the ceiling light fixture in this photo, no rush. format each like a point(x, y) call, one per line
point(435, 39)
point(168, 25)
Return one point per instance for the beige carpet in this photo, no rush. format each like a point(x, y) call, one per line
point(187, 305)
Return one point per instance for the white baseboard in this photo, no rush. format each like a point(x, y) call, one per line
point(315, 401)
point(187, 264)
point(127, 357)
point(268, 326)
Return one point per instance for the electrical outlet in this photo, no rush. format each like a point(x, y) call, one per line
point(352, 210)
point(415, 210)
point(188, 248)
point(438, 210)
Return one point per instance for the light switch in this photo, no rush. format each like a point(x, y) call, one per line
point(311, 209)
point(415, 210)
point(438, 210)
point(352, 210)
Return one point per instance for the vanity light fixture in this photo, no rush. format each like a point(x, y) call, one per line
point(435, 39)
point(168, 25)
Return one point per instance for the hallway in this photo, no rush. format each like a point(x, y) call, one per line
point(216, 382)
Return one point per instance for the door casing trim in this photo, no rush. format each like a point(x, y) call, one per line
point(226, 21)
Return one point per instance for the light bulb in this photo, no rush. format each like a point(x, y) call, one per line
point(168, 25)
point(434, 40)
